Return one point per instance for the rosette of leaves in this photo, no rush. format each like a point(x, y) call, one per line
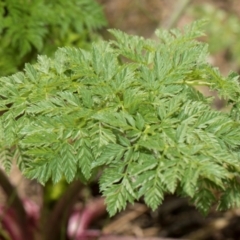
point(127, 111)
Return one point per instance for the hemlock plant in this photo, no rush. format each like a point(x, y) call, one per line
point(127, 111)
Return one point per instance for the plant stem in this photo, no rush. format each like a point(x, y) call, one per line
point(78, 226)
point(180, 8)
point(16, 204)
point(61, 212)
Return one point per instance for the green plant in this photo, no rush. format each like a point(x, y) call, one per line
point(28, 28)
point(127, 111)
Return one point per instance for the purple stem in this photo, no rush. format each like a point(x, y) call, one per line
point(78, 227)
point(15, 210)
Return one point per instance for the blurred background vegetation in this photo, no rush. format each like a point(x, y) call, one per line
point(142, 17)
point(28, 28)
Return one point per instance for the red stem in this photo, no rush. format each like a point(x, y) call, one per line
point(17, 206)
point(81, 220)
point(93, 210)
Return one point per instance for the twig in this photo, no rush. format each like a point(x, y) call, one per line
point(179, 10)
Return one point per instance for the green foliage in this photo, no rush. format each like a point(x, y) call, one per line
point(40, 26)
point(139, 121)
